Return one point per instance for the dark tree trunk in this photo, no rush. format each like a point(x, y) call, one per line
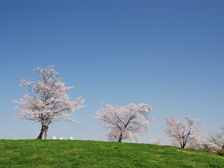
point(46, 131)
point(183, 145)
point(41, 132)
point(185, 140)
point(120, 138)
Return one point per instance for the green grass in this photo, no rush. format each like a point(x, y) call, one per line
point(75, 153)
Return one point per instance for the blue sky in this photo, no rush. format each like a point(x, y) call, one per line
point(169, 54)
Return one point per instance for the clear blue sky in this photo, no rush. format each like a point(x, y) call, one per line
point(169, 54)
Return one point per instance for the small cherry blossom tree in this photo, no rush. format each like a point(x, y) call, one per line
point(216, 138)
point(156, 141)
point(48, 101)
point(183, 130)
point(124, 122)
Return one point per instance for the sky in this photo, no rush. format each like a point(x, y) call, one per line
point(168, 54)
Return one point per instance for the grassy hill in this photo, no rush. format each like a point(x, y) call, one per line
point(88, 154)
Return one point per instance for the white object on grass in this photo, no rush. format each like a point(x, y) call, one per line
point(54, 137)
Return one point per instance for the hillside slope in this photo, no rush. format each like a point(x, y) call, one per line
point(77, 153)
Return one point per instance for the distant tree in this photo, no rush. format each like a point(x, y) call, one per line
point(216, 138)
point(47, 101)
point(183, 130)
point(124, 122)
point(156, 141)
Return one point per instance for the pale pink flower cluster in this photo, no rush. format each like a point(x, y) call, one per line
point(216, 139)
point(156, 141)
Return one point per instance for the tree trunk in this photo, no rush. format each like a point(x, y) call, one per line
point(183, 145)
point(46, 131)
point(120, 138)
point(41, 132)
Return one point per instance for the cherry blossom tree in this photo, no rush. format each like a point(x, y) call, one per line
point(156, 141)
point(183, 130)
point(124, 122)
point(47, 101)
point(216, 139)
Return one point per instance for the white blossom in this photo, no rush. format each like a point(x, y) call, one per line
point(156, 141)
point(216, 138)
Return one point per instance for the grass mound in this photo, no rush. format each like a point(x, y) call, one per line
point(88, 154)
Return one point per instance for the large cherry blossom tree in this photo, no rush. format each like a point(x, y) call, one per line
point(183, 130)
point(47, 101)
point(124, 122)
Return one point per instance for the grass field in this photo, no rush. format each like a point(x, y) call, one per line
point(88, 154)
